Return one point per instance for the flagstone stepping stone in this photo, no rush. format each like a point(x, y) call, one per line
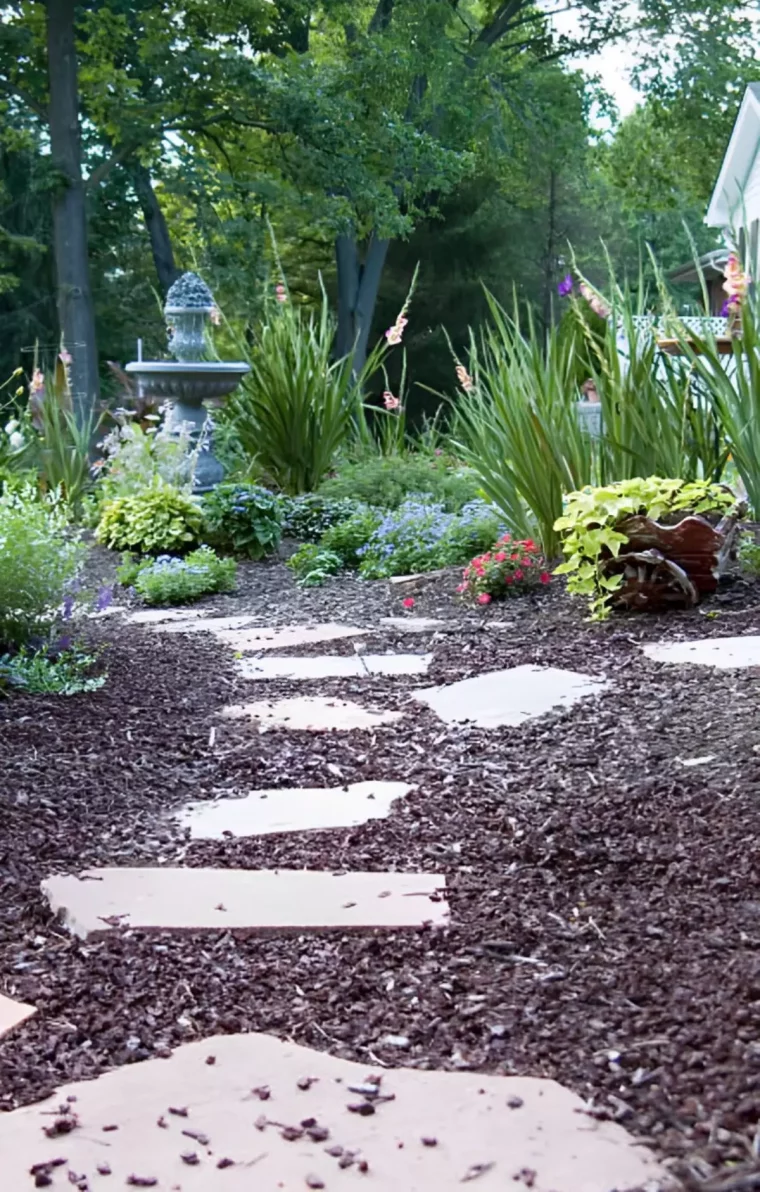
point(331, 666)
point(284, 636)
point(508, 697)
point(292, 810)
point(251, 900)
point(425, 1131)
point(12, 1013)
point(415, 624)
point(724, 653)
point(210, 624)
point(159, 616)
point(313, 714)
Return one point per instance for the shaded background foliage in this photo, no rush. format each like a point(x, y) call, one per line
point(201, 122)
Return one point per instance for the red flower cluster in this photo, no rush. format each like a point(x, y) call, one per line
point(511, 567)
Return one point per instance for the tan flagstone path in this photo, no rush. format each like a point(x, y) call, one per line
point(300, 809)
point(242, 1112)
point(13, 1013)
point(508, 697)
point(328, 666)
point(310, 713)
point(724, 653)
point(252, 900)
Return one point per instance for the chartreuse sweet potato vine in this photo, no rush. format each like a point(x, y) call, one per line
point(589, 527)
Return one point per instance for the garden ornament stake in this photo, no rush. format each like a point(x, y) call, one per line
point(186, 383)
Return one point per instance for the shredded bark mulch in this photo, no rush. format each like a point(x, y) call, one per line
point(605, 908)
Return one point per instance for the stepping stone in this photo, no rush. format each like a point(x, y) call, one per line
point(298, 810)
point(210, 624)
point(508, 697)
point(284, 636)
point(440, 1130)
point(251, 900)
point(13, 1013)
point(724, 653)
point(415, 624)
point(159, 616)
point(313, 714)
point(330, 666)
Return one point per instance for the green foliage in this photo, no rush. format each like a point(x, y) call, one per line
point(243, 519)
point(298, 406)
point(388, 482)
point(157, 520)
point(510, 568)
point(347, 538)
point(172, 580)
point(516, 425)
point(590, 527)
point(734, 385)
point(40, 557)
point(308, 517)
point(134, 459)
point(422, 536)
point(749, 554)
point(37, 672)
point(63, 451)
point(312, 565)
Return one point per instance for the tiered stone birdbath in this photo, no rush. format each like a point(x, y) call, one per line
point(191, 379)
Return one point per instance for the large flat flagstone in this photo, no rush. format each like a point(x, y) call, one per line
point(13, 1013)
point(508, 697)
point(283, 637)
point(252, 900)
point(313, 714)
point(292, 810)
point(329, 666)
point(160, 616)
point(414, 624)
point(210, 624)
point(724, 653)
point(439, 1131)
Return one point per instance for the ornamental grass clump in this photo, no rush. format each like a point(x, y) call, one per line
point(512, 567)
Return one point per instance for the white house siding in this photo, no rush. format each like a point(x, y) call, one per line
point(750, 206)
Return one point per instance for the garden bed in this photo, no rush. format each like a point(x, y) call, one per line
point(604, 899)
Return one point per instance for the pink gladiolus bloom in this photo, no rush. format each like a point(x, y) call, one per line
point(37, 383)
point(595, 302)
point(484, 598)
point(216, 316)
point(395, 334)
point(737, 281)
point(281, 293)
point(409, 602)
point(464, 378)
point(64, 356)
point(390, 402)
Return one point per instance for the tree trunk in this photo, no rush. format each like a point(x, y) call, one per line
point(358, 286)
point(75, 310)
point(160, 240)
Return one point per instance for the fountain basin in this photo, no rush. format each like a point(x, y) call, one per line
point(186, 383)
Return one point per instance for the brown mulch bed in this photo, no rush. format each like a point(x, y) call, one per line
point(604, 897)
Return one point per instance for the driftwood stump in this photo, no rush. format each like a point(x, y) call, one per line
point(668, 566)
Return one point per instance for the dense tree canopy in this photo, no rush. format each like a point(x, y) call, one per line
point(370, 135)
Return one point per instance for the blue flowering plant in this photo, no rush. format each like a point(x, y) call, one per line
point(421, 536)
point(243, 519)
point(173, 580)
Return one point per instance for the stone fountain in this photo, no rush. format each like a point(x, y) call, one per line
point(186, 383)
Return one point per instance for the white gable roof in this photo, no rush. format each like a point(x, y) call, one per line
point(726, 202)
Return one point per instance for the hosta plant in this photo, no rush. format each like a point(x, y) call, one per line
point(512, 567)
point(157, 520)
point(590, 527)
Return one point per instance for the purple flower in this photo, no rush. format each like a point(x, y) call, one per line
point(68, 608)
point(105, 597)
point(565, 287)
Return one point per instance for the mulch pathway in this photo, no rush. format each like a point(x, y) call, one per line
point(604, 897)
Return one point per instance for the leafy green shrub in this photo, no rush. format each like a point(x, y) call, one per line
point(307, 517)
point(40, 557)
point(512, 567)
point(134, 459)
point(242, 518)
point(312, 565)
point(172, 580)
point(40, 673)
point(347, 538)
point(749, 554)
point(590, 533)
point(387, 481)
point(159, 519)
point(422, 536)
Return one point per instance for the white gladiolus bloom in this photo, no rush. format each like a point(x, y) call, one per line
point(11, 426)
point(16, 440)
